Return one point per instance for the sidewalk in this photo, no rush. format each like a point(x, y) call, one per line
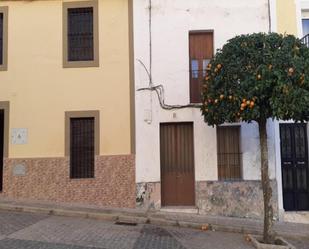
point(224, 224)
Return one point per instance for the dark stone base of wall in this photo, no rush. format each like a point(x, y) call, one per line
point(236, 199)
point(233, 199)
point(48, 179)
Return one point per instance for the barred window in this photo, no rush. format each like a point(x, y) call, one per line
point(1, 38)
point(229, 154)
point(80, 34)
point(82, 147)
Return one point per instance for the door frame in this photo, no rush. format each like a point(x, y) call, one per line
point(193, 137)
point(279, 162)
point(5, 106)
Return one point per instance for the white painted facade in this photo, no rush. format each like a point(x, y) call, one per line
point(171, 22)
point(168, 63)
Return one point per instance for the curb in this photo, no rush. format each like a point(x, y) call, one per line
point(138, 218)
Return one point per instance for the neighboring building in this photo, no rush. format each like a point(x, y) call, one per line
point(181, 162)
point(291, 139)
point(67, 111)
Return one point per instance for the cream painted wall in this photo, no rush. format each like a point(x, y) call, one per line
point(287, 17)
point(40, 90)
point(171, 23)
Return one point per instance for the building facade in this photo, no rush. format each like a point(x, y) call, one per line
point(67, 111)
point(291, 139)
point(181, 161)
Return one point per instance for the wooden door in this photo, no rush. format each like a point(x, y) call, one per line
point(177, 164)
point(201, 51)
point(295, 170)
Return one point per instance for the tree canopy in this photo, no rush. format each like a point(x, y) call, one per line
point(256, 77)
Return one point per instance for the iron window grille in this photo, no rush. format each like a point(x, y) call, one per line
point(82, 147)
point(1, 38)
point(80, 34)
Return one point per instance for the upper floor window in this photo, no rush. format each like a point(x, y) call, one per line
point(80, 33)
point(305, 24)
point(201, 51)
point(3, 37)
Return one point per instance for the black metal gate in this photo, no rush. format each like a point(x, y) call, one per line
point(294, 163)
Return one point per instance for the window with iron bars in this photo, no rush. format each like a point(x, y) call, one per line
point(82, 150)
point(229, 153)
point(1, 38)
point(80, 34)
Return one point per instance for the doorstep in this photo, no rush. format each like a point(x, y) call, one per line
point(296, 217)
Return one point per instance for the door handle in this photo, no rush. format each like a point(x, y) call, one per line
point(287, 163)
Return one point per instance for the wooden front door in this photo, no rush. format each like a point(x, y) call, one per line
point(295, 170)
point(177, 164)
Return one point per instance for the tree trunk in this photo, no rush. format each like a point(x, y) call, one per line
point(266, 186)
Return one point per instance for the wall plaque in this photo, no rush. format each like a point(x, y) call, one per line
point(19, 170)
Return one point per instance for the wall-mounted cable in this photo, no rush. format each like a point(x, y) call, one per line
point(159, 89)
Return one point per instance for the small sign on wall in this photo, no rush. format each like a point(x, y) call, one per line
point(19, 136)
point(19, 170)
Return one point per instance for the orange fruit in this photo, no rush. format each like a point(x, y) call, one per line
point(243, 105)
point(219, 66)
point(291, 70)
point(248, 102)
point(221, 96)
point(252, 104)
point(244, 100)
point(205, 227)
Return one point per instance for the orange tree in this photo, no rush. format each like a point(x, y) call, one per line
point(253, 78)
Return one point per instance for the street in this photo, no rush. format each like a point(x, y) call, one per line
point(33, 231)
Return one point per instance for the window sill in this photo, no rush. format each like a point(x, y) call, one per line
point(231, 180)
point(79, 64)
point(82, 179)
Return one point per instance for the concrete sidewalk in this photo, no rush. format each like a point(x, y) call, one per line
point(224, 224)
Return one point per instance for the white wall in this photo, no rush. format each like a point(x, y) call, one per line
point(171, 22)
